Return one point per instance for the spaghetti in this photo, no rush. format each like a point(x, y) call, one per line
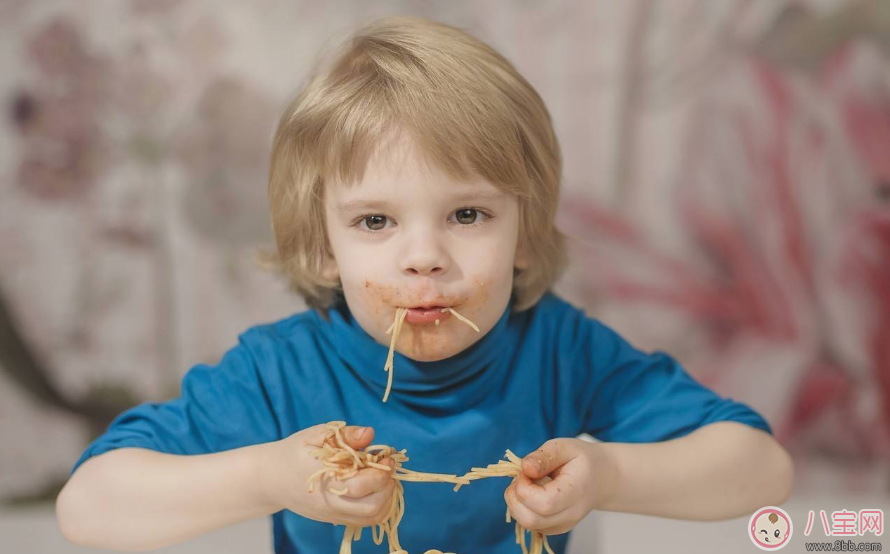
point(396, 328)
point(460, 317)
point(511, 467)
point(341, 461)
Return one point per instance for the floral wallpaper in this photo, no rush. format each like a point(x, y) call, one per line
point(726, 188)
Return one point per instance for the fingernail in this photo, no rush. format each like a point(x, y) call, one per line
point(360, 432)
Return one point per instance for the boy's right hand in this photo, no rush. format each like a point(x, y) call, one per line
point(288, 463)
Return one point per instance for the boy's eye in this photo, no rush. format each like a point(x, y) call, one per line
point(466, 216)
point(463, 216)
point(375, 222)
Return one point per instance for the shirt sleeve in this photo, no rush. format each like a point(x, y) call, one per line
point(221, 407)
point(638, 397)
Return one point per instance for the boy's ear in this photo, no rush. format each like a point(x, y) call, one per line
point(521, 260)
point(329, 268)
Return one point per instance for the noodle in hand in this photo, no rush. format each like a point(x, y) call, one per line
point(511, 467)
point(341, 461)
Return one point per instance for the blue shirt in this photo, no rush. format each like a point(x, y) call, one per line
point(547, 372)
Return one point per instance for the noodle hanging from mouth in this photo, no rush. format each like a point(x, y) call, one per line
point(460, 317)
point(396, 329)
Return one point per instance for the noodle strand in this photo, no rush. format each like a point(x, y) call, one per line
point(460, 317)
point(342, 461)
point(511, 467)
point(395, 328)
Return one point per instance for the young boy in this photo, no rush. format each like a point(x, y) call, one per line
point(419, 170)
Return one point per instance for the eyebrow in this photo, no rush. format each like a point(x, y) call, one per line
point(362, 204)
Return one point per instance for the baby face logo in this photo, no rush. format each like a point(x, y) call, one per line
point(770, 528)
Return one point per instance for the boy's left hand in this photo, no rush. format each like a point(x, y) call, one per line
point(584, 476)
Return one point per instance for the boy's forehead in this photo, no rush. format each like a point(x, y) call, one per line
point(371, 193)
point(399, 156)
point(399, 163)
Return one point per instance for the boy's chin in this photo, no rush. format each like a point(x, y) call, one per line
point(433, 354)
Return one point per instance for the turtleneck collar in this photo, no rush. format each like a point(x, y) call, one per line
point(366, 357)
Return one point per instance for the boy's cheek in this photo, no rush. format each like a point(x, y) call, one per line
point(329, 269)
point(377, 299)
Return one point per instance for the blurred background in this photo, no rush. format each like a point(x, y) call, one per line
point(727, 191)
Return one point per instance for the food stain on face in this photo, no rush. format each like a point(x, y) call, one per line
point(427, 341)
point(482, 292)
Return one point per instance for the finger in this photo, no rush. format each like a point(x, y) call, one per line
point(367, 510)
point(387, 461)
point(546, 500)
point(365, 482)
point(547, 459)
point(558, 529)
point(315, 435)
point(527, 517)
point(386, 507)
point(357, 437)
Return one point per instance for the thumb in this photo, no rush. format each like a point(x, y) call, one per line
point(358, 437)
point(551, 456)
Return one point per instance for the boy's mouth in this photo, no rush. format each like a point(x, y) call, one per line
point(426, 314)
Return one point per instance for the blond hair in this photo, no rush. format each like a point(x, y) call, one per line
point(469, 111)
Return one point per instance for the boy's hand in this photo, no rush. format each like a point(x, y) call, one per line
point(583, 477)
point(289, 463)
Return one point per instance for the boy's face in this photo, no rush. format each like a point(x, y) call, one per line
point(406, 236)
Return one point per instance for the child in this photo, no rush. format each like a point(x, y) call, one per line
point(419, 170)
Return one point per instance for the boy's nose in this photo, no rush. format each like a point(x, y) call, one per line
point(423, 271)
point(424, 265)
point(425, 257)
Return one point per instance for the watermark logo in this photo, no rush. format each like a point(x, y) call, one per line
point(770, 528)
point(849, 523)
